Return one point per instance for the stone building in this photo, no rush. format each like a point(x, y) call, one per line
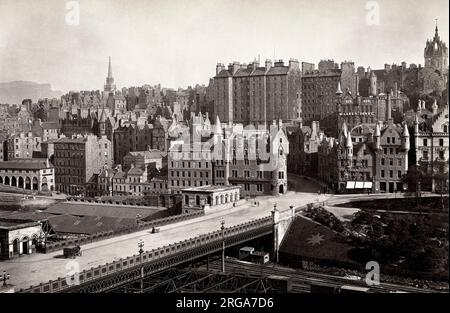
point(376, 163)
point(23, 145)
point(254, 159)
point(257, 94)
point(28, 174)
point(304, 142)
point(209, 197)
point(18, 238)
point(77, 159)
point(431, 143)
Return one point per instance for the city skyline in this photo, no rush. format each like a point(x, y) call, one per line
point(158, 45)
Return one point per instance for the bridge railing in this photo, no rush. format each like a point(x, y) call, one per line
point(49, 247)
point(93, 273)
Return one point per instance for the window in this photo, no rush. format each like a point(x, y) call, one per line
point(425, 142)
point(388, 139)
point(441, 154)
point(280, 175)
point(391, 174)
point(246, 173)
point(382, 173)
point(247, 187)
point(259, 187)
point(382, 161)
point(399, 174)
point(391, 162)
point(441, 142)
point(399, 162)
point(393, 140)
point(425, 155)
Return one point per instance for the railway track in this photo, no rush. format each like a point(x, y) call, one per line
point(303, 279)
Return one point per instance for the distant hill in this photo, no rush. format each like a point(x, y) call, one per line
point(15, 92)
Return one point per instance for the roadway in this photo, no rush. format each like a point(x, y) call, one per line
point(39, 268)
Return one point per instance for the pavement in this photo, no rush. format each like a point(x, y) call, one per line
point(39, 268)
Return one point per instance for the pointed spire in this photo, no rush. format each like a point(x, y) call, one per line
point(339, 91)
point(109, 68)
point(349, 140)
point(436, 32)
point(344, 128)
point(405, 130)
point(377, 130)
point(218, 127)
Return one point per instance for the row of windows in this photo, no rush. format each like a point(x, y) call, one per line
point(188, 183)
point(391, 174)
point(441, 142)
point(188, 174)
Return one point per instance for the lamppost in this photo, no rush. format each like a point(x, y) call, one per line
point(141, 250)
point(5, 277)
point(222, 228)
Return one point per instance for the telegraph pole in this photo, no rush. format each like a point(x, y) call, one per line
point(222, 228)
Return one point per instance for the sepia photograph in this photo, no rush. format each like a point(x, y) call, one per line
point(225, 152)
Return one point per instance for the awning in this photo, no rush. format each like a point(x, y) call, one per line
point(367, 184)
point(350, 185)
point(359, 185)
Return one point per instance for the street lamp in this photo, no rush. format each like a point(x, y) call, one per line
point(222, 228)
point(141, 250)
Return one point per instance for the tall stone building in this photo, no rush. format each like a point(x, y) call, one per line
point(431, 143)
point(78, 159)
point(254, 94)
point(377, 163)
point(434, 76)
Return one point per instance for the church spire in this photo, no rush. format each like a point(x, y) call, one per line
point(109, 68)
point(436, 31)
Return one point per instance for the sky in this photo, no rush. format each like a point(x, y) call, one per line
point(178, 43)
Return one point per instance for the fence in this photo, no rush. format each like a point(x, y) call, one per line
point(93, 273)
point(49, 247)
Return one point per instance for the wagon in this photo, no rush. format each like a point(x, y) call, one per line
point(72, 252)
point(155, 230)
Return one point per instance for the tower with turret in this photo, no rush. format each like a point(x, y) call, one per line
point(436, 53)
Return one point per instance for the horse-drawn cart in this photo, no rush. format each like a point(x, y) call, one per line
point(72, 252)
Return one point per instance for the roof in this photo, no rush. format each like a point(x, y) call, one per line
point(278, 70)
point(135, 171)
point(148, 154)
point(308, 239)
point(104, 210)
point(30, 163)
point(210, 188)
point(50, 125)
point(88, 224)
point(16, 225)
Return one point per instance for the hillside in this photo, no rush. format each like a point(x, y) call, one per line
point(15, 92)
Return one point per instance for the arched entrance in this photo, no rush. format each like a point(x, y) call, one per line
point(16, 246)
point(35, 184)
point(21, 182)
point(25, 245)
point(44, 186)
point(7, 180)
point(14, 181)
point(1, 180)
point(281, 189)
point(28, 183)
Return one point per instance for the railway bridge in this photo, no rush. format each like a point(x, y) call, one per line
point(123, 271)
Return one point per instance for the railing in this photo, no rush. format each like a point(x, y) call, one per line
point(49, 247)
point(60, 284)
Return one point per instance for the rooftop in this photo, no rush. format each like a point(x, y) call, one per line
point(210, 188)
point(104, 210)
point(26, 164)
